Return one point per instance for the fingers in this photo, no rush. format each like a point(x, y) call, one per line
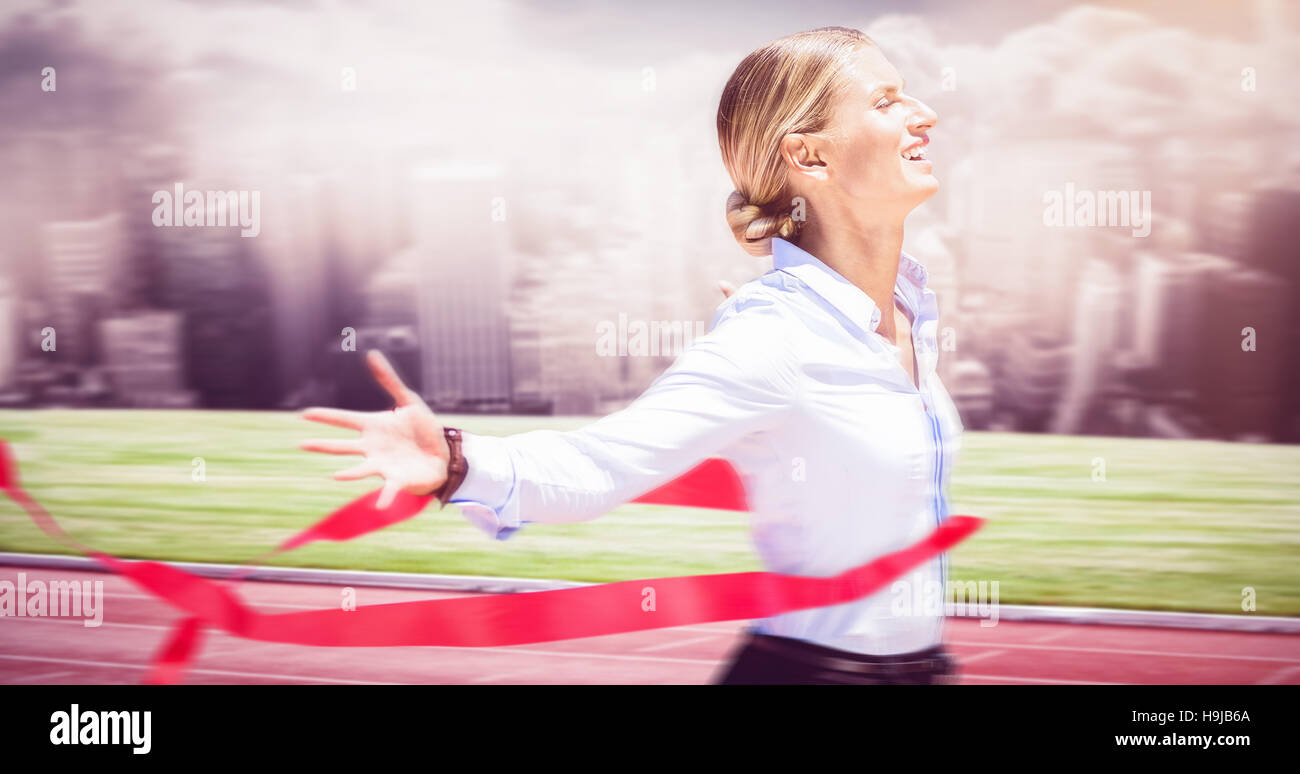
point(352, 420)
point(332, 446)
point(388, 379)
point(727, 288)
point(388, 494)
point(356, 472)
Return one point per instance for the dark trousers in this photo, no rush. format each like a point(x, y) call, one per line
point(764, 659)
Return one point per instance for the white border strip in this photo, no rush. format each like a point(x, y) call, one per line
point(392, 580)
point(498, 585)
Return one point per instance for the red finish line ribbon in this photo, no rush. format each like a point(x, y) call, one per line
point(711, 484)
point(498, 619)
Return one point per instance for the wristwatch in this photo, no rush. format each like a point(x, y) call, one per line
point(457, 466)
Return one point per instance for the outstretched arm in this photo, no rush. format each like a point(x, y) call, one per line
point(737, 379)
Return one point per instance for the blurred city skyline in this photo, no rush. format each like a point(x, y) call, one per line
point(480, 191)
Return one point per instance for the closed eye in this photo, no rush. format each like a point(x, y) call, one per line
point(891, 94)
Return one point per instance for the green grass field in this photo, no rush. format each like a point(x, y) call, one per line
point(1176, 525)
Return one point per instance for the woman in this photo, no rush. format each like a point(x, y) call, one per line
point(817, 379)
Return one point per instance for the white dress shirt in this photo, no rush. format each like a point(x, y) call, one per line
point(842, 457)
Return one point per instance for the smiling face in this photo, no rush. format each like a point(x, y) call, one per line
point(876, 150)
point(817, 132)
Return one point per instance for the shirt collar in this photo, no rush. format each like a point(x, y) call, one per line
point(838, 291)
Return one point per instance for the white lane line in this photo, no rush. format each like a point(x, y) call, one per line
point(500, 676)
point(676, 644)
point(252, 603)
point(964, 660)
point(1035, 680)
point(221, 672)
point(156, 627)
point(1054, 636)
point(709, 629)
point(41, 678)
point(1277, 677)
point(22, 562)
point(666, 659)
point(1019, 646)
point(229, 673)
point(1126, 652)
point(519, 651)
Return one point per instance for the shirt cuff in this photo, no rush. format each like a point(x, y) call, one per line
point(486, 496)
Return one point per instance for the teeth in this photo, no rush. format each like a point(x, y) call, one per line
point(915, 153)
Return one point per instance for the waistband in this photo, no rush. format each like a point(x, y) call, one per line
point(933, 660)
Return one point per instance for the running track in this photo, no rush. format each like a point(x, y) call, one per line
point(62, 650)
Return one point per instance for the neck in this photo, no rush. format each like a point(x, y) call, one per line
point(866, 254)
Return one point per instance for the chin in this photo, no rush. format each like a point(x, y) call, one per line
point(925, 188)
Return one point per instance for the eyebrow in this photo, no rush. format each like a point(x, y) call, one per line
point(888, 88)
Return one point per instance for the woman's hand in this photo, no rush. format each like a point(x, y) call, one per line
point(405, 446)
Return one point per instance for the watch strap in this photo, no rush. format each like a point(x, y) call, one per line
point(457, 466)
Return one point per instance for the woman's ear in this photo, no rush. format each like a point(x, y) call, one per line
point(803, 156)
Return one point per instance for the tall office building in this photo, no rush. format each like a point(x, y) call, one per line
point(58, 174)
point(1036, 371)
point(295, 243)
point(971, 388)
point(8, 335)
point(556, 305)
point(1270, 248)
point(86, 274)
point(370, 196)
point(1224, 224)
point(1094, 341)
point(142, 358)
point(557, 293)
point(1167, 342)
point(147, 168)
point(1228, 384)
point(390, 323)
point(461, 239)
point(211, 276)
point(527, 359)
point(1019, 271)
point(391, 296)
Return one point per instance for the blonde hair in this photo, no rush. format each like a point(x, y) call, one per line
point(788, 85)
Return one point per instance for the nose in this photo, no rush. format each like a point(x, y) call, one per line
point(923, 118)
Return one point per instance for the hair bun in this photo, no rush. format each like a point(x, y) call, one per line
point(755, 225)
point(791, 85)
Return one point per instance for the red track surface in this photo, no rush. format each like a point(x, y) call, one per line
point(62, 650)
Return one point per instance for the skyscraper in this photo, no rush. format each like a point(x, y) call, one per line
point(142, 356)
point(460, 231)
point(212, 277)
point(295, 244)
point(86, 262)
point(8, 335)
point(1271, 248)
point(1092, 349)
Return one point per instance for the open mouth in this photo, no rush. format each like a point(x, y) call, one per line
point(915, 153)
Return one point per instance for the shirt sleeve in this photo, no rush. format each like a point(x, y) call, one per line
point(737, 379)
